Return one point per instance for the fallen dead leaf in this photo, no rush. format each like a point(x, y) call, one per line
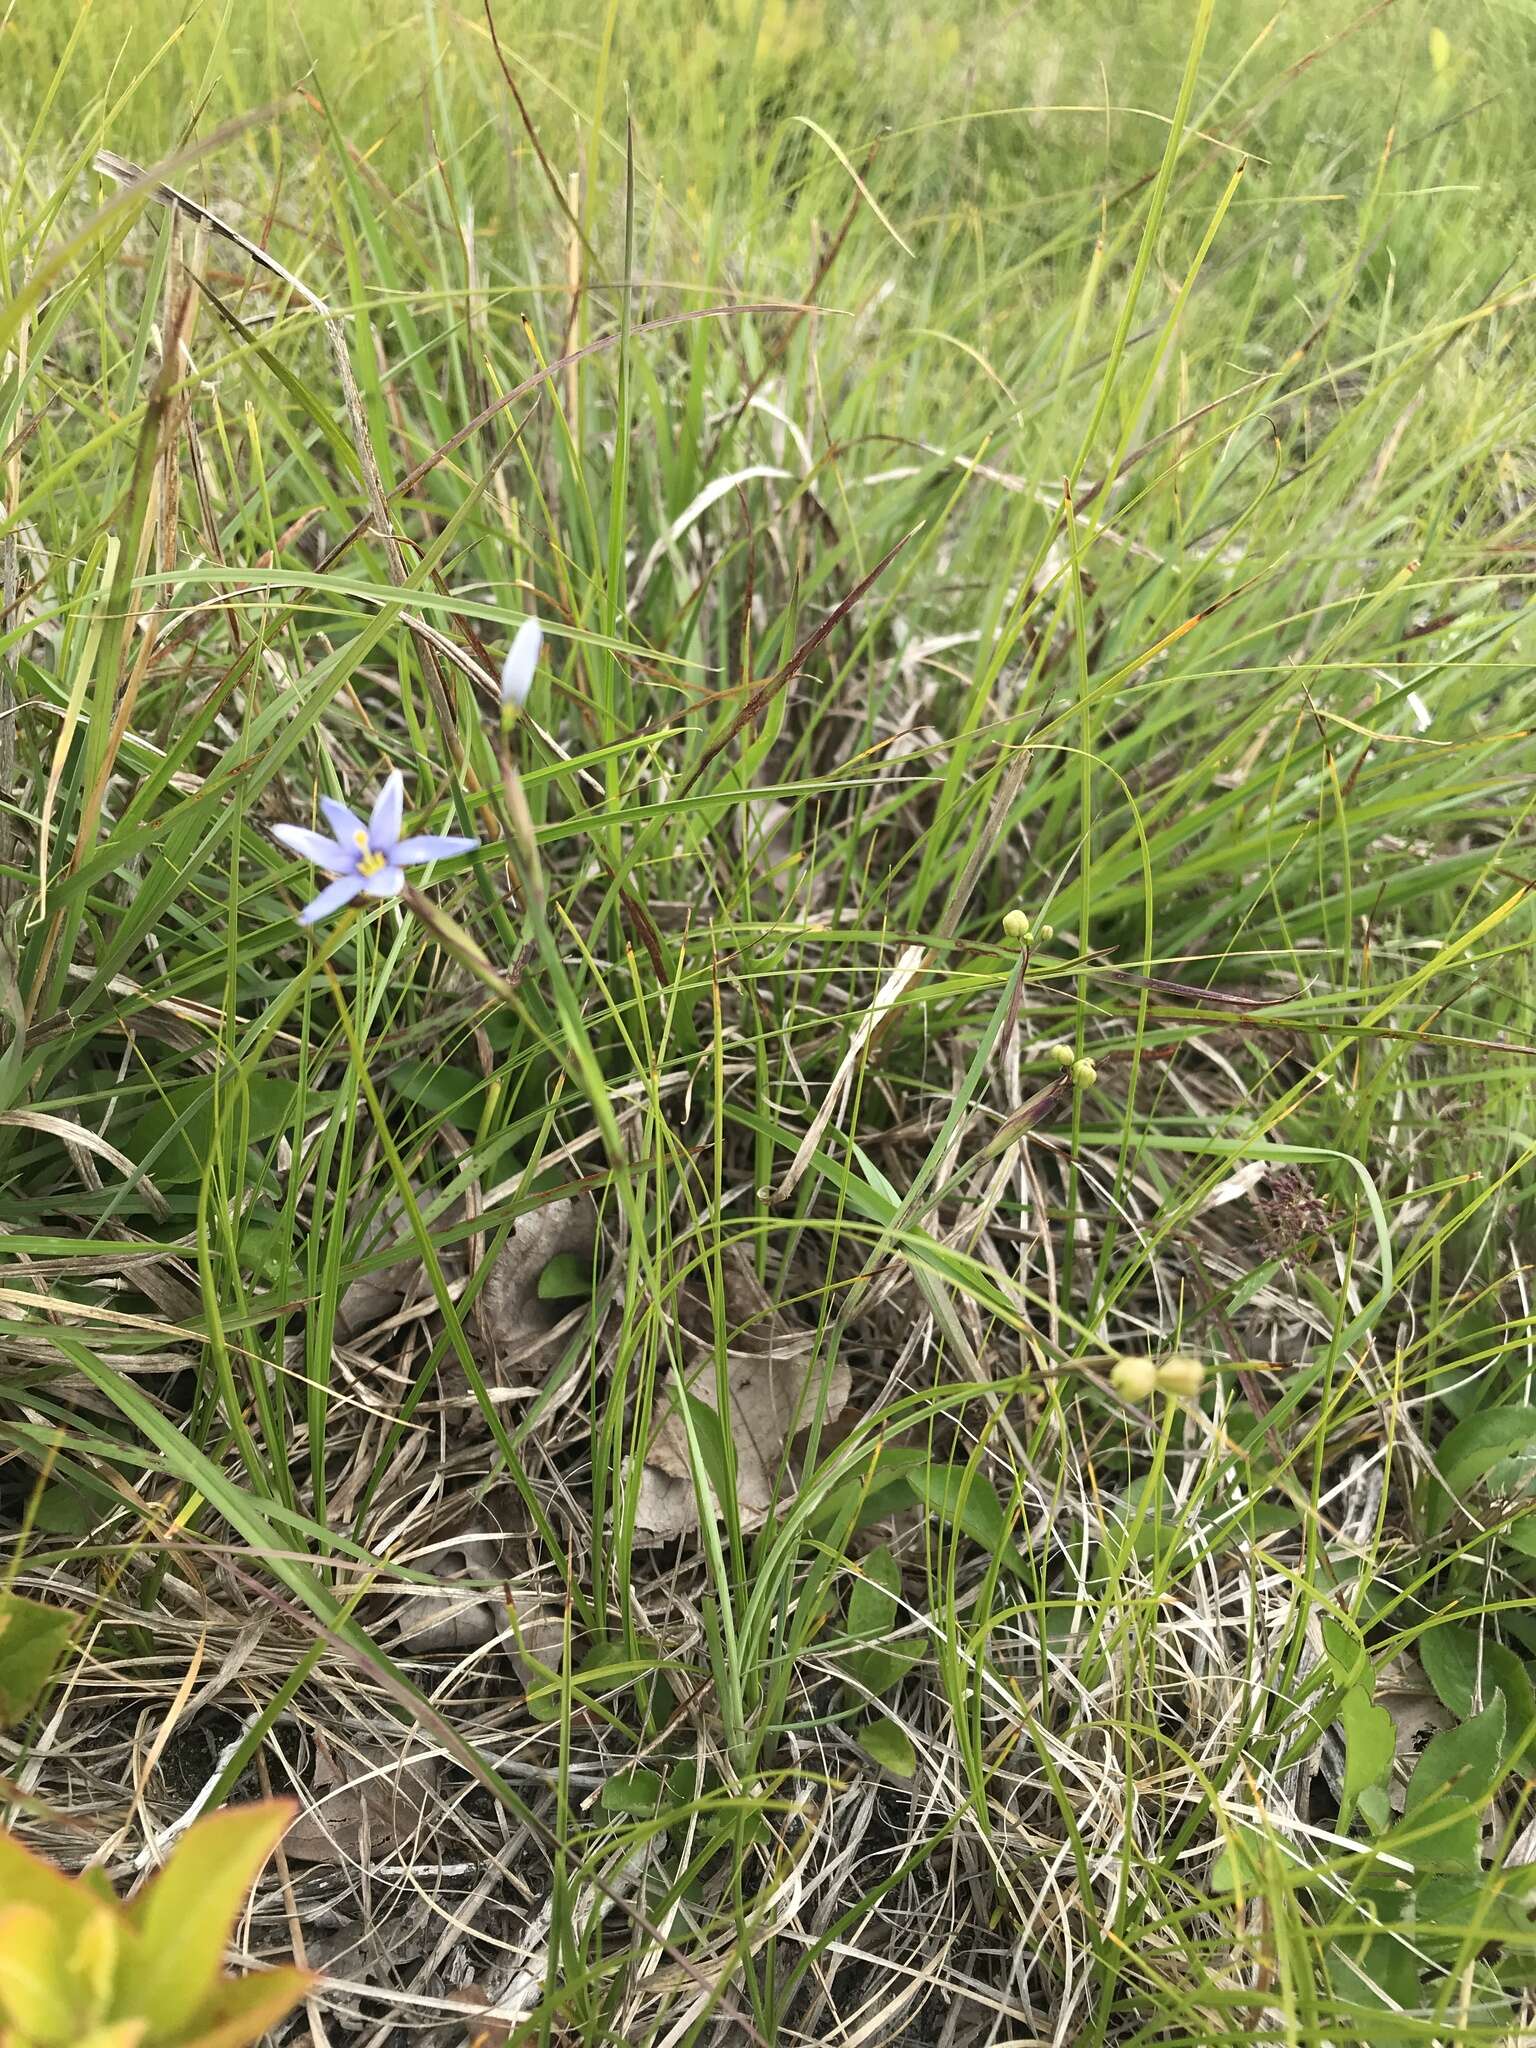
point(469, 1611)
point(361, 1803)
point(771, 1399)
point(373, 1297)
point(510, 1317)
point(479, 1606)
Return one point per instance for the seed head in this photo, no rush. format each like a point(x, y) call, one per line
point(1181, 1375)
point(1133, 1379)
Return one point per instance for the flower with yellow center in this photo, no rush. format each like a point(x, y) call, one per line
point(366, 860)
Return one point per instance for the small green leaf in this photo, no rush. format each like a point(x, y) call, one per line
point(1441, 1827)
point(64, 1510)
point(1459, 1662)
point(1370, 1743)
point(1376, 1806)
point(1346, 1654)
point(705, 1426)
point(886, 1487)
point(567, 1277)
point(1456, 1904)
point(967, 1498)
point(1240, 1865)
point(889, 1747)
point(637, 1790)
point(1381, 1973)
point(873, 1612)
point(173, 1139)
point(32, 1640)
point(880, 1671)
point(1472, 1449)
point(442, 1089)
point(873, 1602)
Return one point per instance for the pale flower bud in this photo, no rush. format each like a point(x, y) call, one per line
point(1016, 926)
point(1133, 1379)
point(1062, 1056)
point(1180, 1375)
point(1084, 1073)
point(522, 659)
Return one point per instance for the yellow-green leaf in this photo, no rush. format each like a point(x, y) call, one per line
point(26, 1880)
point(34, 1983)
point(872, 1602)
point(94, 1956)
point(873, 1612)
point(1370, 1741)
point(246, 2007)
point(183, 1916)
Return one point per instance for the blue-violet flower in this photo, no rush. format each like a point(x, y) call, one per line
point(366, 860)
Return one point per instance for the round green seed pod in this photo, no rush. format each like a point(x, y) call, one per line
point(1134, 1379)
point(1180, 1375)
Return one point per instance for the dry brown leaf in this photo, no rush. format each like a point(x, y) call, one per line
point(361, 1803)
point(509, 1317)
point(477, 1607)
point(771, 1400)
point(468, 1612)
point(373, 1297)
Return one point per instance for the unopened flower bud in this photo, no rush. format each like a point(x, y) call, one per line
point(1084, 1073)
point(1046, 933)
point(1062, 1056)
point(1133, 1379)
point(1017, 926)
point(1180, 1375)
point(522, 659)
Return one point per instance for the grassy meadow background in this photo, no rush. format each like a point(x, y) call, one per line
point(1069, 460)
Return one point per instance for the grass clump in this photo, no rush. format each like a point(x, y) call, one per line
point(868, 1379)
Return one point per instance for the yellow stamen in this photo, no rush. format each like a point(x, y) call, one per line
point(371, 863)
